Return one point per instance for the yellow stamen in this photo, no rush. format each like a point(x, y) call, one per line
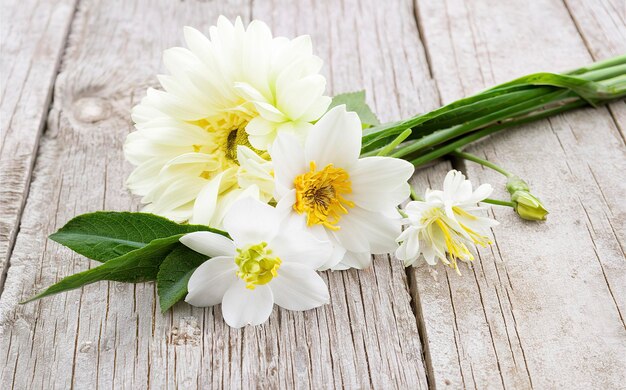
point(320, 195)
point(455, 247)
point(256, 264)
point(477, 238)
point(460, 211)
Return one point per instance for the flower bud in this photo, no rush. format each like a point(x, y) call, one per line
point(527, 205)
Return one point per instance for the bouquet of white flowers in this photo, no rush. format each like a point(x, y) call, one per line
point(254, 180)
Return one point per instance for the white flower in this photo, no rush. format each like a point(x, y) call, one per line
point(349, 201)
point(225, 100)
point(269, 260)
point(445, 223)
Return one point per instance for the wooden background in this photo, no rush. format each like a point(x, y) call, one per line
point(543, 308)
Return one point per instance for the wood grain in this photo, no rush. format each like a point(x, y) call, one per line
point(111, 334)
point(32, 40)
point(544, 307)
point(602, 26)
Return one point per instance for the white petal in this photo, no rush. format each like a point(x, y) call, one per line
point(295, 100)
point(260, 126)
point(355, 260)
point(177, 193)
point(365, 231)
point(298, 287)
point(210, 280)
point(381, 171)
point(287, 155)
point(144, 177)
point(453, 181)
point(482, 192)
point(209, 243)
point(335, 139)
point(409, 249)
point(286, 202)
point(250, 221)
point(269, 112)
point(202, 159)
point(380, 183)
point(317, 109)
point(242, 306)
point(338, 251)
point(429, 255)
point(206, 201)
point(456, 188)
point(227, 200)
point(295, 244)
point(248, 92)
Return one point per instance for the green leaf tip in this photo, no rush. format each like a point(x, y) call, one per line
point(132, 246)
point(355, 101)
point(140, 265)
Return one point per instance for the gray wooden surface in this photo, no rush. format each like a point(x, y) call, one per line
point(543, 308)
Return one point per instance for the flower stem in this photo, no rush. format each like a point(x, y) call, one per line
point(449, 148)
point(518, 99)
point(499, 202)
point(441, 136)
point(387, 149)
point(414, 195)
point(481, 161)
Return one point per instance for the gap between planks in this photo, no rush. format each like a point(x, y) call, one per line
point(15, 207)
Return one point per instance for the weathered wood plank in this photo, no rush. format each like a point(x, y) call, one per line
point(32, 38)
point(543, 307)
point(111, 335)
point(602, 25)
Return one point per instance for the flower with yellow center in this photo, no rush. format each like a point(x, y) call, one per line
point(202, 141)
point(257, 265)
point(319, 195)
point(338, 196)
point(270, 259)
point(444, 225)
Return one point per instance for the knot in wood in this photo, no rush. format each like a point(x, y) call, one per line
point(91, 109)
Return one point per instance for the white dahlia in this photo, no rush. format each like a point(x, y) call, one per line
point(201, 142)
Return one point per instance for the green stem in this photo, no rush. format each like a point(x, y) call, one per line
point(447, 134)
point(414, 195)
point(481, 161)
point(387, 149)
point(492, 105)
point(449, 148)
point(498, 202)
point(619, 60)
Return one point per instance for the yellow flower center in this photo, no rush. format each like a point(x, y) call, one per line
point(476, 237)
point(454, 241)
point(227, 131)
point(235, 138)
point(320, 195)
point(256, 265)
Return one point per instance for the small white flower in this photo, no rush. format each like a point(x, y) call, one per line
point(269, 260)
point(445, 223)
point(349, 201)
point(237, 88)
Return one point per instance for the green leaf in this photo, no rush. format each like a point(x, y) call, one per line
point(355, 101)
point(106, 235)
point(174, 274)
point(140, 265)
